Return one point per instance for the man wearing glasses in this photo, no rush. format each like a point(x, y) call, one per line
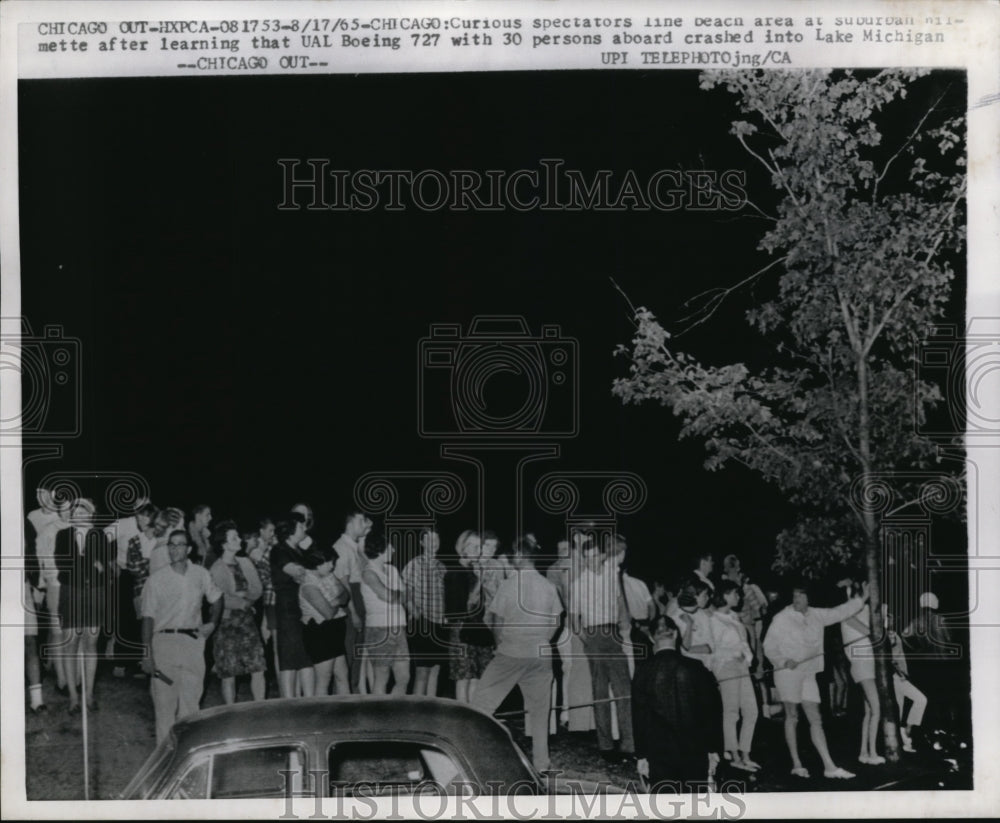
point(174, 635)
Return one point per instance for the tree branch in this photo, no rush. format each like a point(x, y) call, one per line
point(899, 151)
point(718, 296)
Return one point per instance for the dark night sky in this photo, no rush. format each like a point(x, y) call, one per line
point(249, 357)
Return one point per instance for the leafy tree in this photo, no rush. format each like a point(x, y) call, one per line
point(861, 241)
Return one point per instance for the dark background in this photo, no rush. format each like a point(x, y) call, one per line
point(250, 358)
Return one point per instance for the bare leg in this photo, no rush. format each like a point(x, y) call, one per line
point(287, 683)
point(432, 681)
point(462, 691)
point(341, 676)
point(872, 715)
point(228, 690)
point(258, 685)
point(307, 681)
point(381, 685)
point(420, 676)
point(473, 685)
point(817, 734)
point(401, 672)
point(323, 672)
point(792, 733)
point(73, 667)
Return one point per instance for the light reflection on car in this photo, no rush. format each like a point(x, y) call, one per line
point(340, 747)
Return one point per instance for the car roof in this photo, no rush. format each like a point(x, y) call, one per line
point(477, 735)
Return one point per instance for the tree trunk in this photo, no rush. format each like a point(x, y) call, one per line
point(873, 561)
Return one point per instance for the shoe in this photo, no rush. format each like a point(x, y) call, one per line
point(753, 766)
point(838, 774)
point(876, 760)
point(801, 771)
point(74, 708)
point(91, 705)
point(40, 709)
point(864, 758)
point(63, 690)
point(742, 765)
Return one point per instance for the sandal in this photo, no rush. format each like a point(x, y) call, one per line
point(838, 774)
point(753, 766)
point(800, 771)
point(742, 765)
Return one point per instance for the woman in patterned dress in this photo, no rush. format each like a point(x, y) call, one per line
point(471, 642)
point(238, 649)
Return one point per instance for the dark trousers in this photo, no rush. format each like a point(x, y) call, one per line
point(609, 667)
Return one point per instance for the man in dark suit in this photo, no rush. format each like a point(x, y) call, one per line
point(676, 715)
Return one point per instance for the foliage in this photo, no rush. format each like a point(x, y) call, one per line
point(861, 240)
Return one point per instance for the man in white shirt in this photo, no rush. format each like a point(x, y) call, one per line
point(174, 635)
point(350, 548)
point(794, 645)
point(525, 617)
point(595, 598)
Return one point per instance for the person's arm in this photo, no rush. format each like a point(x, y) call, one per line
point(214, 618)
point(838, 614)
point(376, 585)
point(294, 571)
point(315, 598)
point(773, 643)
point(148, 662)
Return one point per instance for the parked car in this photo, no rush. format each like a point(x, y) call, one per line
point(359, 744)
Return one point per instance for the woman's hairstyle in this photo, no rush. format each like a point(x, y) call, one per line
point(375, 545)
point(220, 530)
point(313, 559)
point(464, 538)
point(662, 623)
point(689, 591)
point(722, 590)
point(285, 527)
point(147, 510)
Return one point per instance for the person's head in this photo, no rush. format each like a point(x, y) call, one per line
point(226, 537)
point(468, 546)
point(160, 523)
point(201, 515)
point(582, 535)
point(291, 529)
point(305, 510)
point(728, 594)
point(562, 548)
point(82, 512)
point(704, 562)
point(693, 595)
point(526, 551)
point(266, 529)
point(800, 596)
point(178, 545)
point(318, 561)
point(731, 567)
point(357, 525)
point(377, 547)
point(490, 544)
point(593, 555)
point(664, 632)
point(430, 542)
point(144, 516)
point(928, 600)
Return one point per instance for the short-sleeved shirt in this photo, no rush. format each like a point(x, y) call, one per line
point(350, 562)
point(423, 579)
point(173, 600)
point(595, 596)
point(529, 606)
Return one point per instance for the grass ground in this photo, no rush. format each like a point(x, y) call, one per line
point(121, 737)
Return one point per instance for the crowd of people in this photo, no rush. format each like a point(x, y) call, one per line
point(672, 674)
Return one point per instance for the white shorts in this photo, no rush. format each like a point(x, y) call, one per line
point(862, 659)
point(795, 687)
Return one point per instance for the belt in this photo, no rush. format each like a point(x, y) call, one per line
point(193, 633)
